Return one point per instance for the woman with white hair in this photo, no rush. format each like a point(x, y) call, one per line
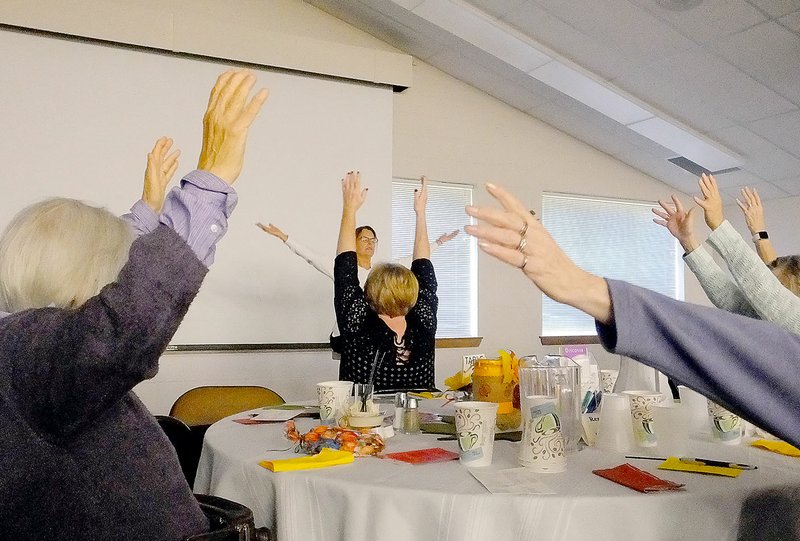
point(747, 365)
point(92, 311)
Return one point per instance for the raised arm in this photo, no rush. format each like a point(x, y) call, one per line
point(720, 289)
point(353, 196)
point(753, 211)
point(422, 247)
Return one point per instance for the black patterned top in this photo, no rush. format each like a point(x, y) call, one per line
point(407, 364)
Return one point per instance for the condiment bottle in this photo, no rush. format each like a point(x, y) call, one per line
point(399, 409)
point(410, 417)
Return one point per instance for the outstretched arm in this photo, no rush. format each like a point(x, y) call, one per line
point(754, 216)
point(273, 230)
point(322, 264)
point(422, 248)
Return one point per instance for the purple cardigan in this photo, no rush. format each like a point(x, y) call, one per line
point(81, 456)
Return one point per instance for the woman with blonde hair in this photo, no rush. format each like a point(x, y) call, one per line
point(388, 329)
point(93, 310)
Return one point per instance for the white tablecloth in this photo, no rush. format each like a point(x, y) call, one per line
point(374, 499)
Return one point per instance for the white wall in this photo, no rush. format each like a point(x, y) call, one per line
point(449, 131)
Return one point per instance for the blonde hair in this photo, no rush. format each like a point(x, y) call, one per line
point(391, 289)
point(60, 252)
point(787, 269)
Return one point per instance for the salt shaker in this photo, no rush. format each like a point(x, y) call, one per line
point(411, 417)
point(399, 410)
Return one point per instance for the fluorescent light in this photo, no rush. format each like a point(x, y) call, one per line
point(480, 30)
point(686, 144)
point(523, 53)
point(590, 92)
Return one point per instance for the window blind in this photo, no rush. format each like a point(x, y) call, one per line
point(455, 262)
point(611, 238)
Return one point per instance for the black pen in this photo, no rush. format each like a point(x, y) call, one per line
point(701, 462)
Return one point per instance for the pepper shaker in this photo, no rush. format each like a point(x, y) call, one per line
point(399, 410)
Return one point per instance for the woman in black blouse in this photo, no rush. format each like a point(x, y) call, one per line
point(389, 327)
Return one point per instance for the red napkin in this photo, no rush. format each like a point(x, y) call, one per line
point(424, 456)
point(633, 477)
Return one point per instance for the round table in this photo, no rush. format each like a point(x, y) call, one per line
point(382, 499)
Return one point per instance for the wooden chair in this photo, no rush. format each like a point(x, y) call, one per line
point(203, 406)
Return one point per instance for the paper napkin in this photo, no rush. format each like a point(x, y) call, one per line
point(632, 477)
point(777, 447)
point(424, 456)
point(325, 458)
point(674, 463)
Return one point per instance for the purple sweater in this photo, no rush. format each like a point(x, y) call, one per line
point(81, 456)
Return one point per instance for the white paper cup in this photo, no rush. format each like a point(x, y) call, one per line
point(672, 429)
point(608, 378)
point(475, 424)
point(542, 446)
point(333, 399)
point(726, 427)
point(642, 416)
point(615, 432)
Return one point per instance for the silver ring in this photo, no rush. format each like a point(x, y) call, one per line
point(524, 228)
point(524, 262)
point(523, 242)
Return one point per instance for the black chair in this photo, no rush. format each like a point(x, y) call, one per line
point(230, 521)
point(186, 444)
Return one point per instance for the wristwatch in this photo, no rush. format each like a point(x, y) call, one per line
point(761, 235)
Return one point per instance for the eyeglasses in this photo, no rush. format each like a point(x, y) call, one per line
point(368, 240)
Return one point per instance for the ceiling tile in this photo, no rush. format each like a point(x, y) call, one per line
point(789, 185)
point(666, 172)
point(766, 191)
point(596, 55)
point(496, 8)
point(777, 8)
point(761, 157)
point(737, 178)
point(783, 130)
point(709, 20)
point(635, 33)
point(673, 83)
point(768, 52)
point(791, 21)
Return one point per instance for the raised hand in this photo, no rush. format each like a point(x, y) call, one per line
point(274, 231)
point(227, 122)
point(421, 195)
point(353, 196)
point(711, 202)
point(752, 210)
point(161, 166)
point(677, 221)
point(447, 237)
point(514, 236)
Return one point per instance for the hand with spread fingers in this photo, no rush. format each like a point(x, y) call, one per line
point(677, 221)
point(447, 237)
point(711, 202)
point(227, 122)
point(161, 166)
point(513, 235)
point(753, 211)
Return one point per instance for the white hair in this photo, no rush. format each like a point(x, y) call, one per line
point(60, 252)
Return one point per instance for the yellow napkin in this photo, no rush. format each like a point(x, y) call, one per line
point(326, 457)
point(674, 463)
point(777, 447)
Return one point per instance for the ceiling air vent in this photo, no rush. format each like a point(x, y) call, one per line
point(697, 169)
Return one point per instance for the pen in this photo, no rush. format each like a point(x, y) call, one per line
point(700, 462)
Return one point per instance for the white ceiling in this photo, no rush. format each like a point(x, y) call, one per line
point(727, 69)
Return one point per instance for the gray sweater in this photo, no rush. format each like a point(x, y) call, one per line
point(81, 456)
point(747, 365)
point(754, 291)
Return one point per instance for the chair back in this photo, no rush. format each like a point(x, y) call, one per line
point(207, 405)
point(187, 449)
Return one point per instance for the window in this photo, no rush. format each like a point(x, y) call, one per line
point(455, 262)
point(613, 238)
